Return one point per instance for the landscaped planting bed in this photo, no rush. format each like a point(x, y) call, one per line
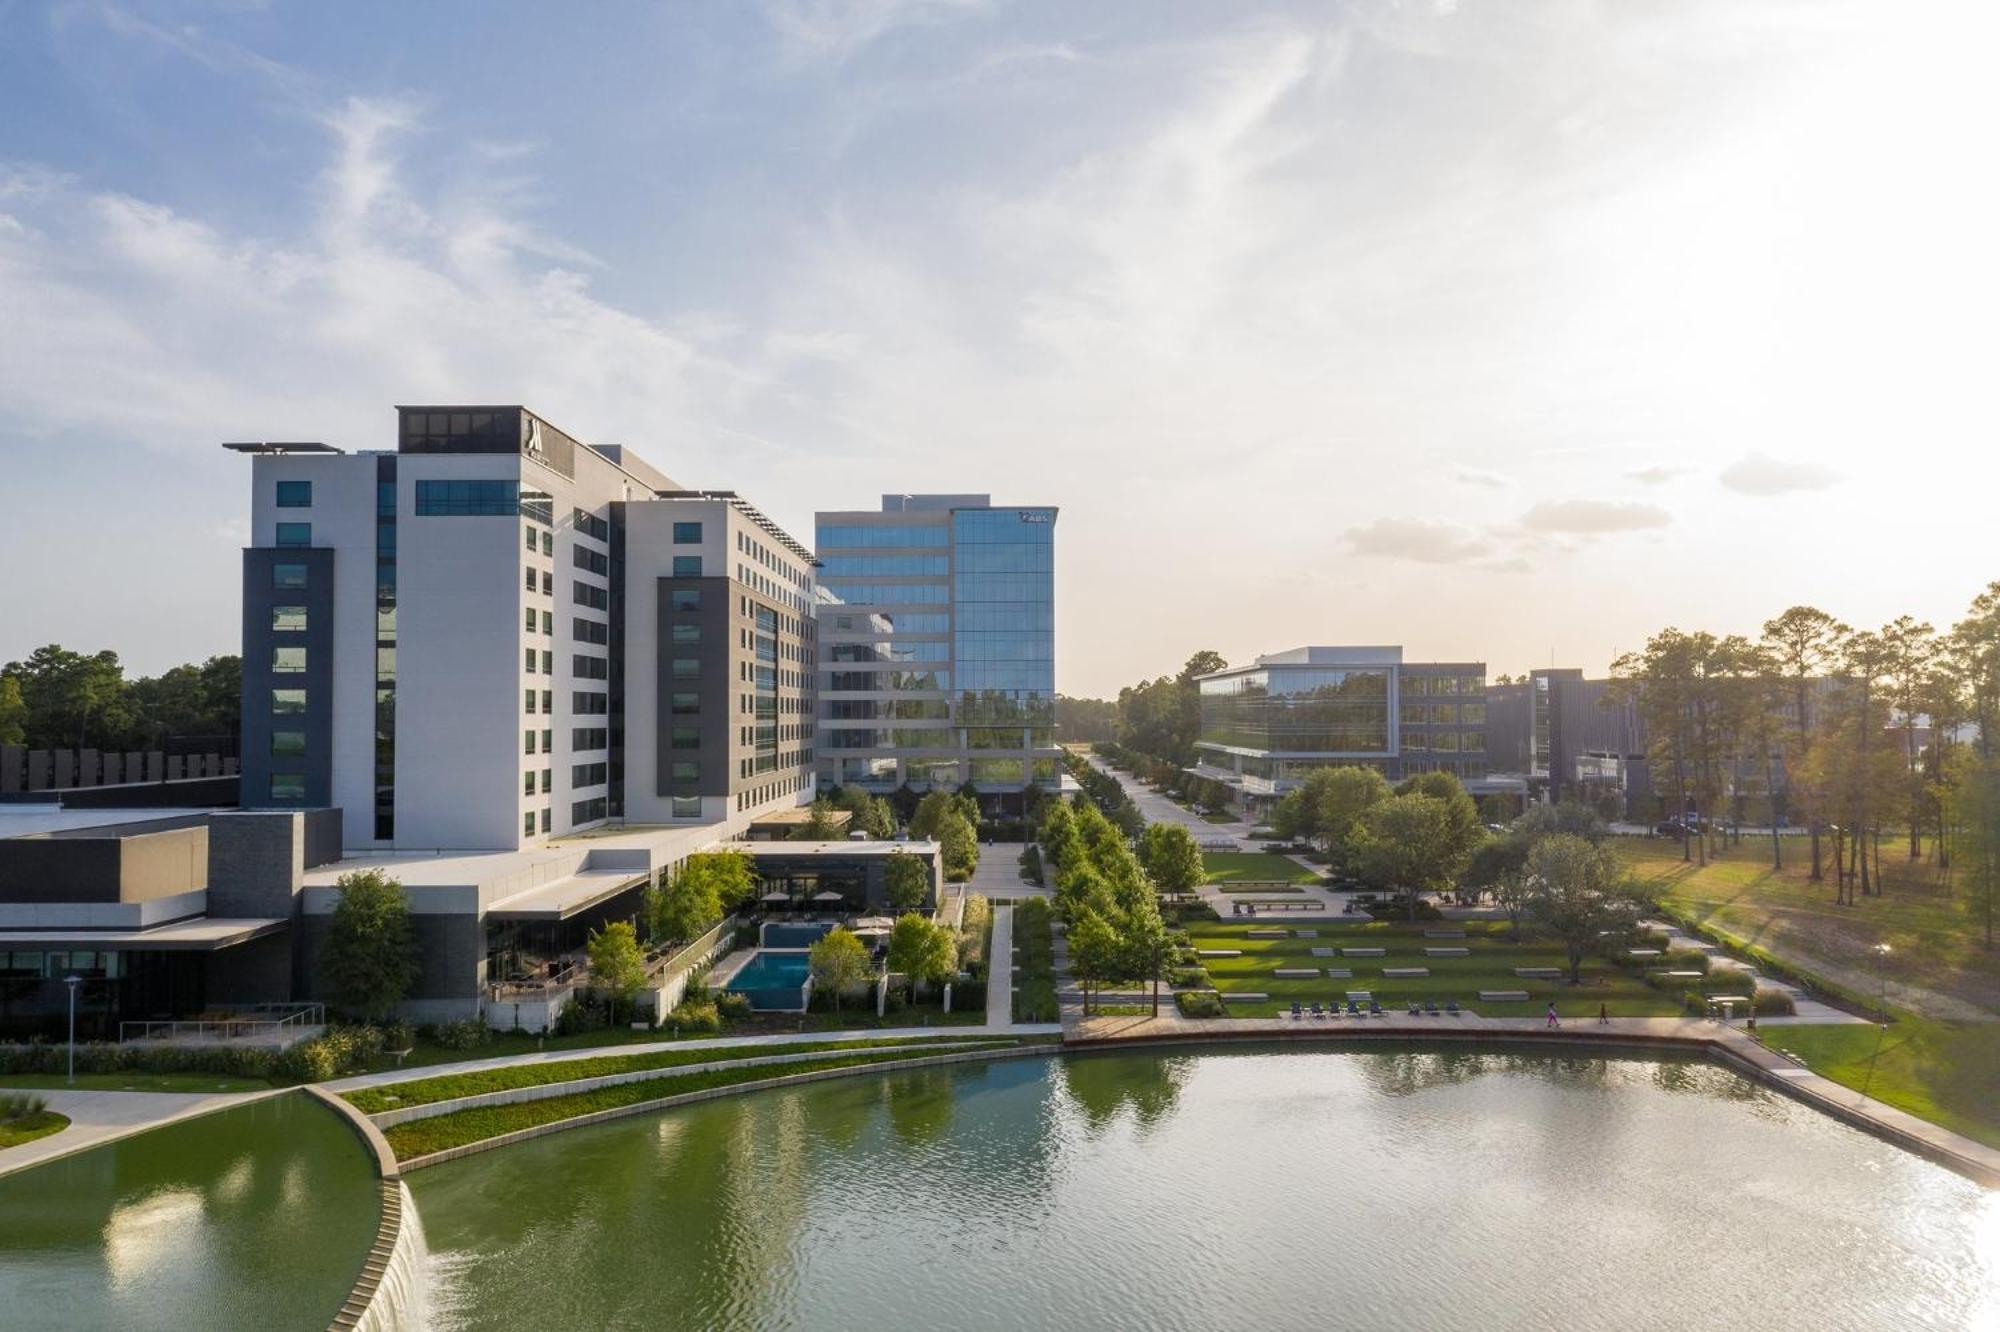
point(451, 1086)
point(1490, 963)
point(1228, 866)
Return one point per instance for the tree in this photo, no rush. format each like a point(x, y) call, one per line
point(13, 712)
point(1578, 892)
point(1095, 952)
point(71, 698)
point(906, 879)
point(1799, 644)
point(617, 967)
point(1059, 838)
point(1409, 842)
point(923, 950)
point(1910, 661)
point(687, 905)
point(731, 875)
point(371, 955)
point(930, 814)
point(820, 825)
point(1325, 807)
point(1974, 810)
point(1172, 856)
point(960, 847)
point(1162, 717)
point(837, 962)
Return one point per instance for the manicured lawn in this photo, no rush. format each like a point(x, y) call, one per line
point(1034, 951)
point(1253, 888)
point(145, 1082)
point(1945, 1072)
point(1489, 965)
point(1232, 866)
point(14, 1132)
point(1213, 817)
point(424, 1136)
point(450, 1086)
point(1933, 937)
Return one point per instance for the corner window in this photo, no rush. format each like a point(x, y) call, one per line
point(288, 660)
point(288, 575)
point(288, 702)
point(295, 534)
point(289, 787)
point(687, 534)
point(685, 566)
point(288, 744)
point(288, 619)
point(295, 494)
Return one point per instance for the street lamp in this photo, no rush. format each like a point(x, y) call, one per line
point(72, 982)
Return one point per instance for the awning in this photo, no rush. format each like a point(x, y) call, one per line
point(199, 935)
point(563, 898)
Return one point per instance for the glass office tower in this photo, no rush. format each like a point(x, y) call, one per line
point(938, 646)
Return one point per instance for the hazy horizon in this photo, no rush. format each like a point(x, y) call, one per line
point(1504, 332)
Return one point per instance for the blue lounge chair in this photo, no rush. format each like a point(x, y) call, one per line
point(1375, 1008)
point(1353, 1008)
point(1451, 1007)
point(1416, 1010)
point(1317, 1011)
point(1431, 1007)
point(1296, 1012)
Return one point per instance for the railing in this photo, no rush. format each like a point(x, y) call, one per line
point(292, 1019)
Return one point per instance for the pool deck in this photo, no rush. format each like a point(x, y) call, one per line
point(98, 1117)
point(1729, 1045)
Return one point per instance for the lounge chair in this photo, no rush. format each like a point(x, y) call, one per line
point(1451, 1007)
point(1353, 1008)
point(1374, 1008)
point(1431, 1007)
point(1296, 1012)
point(1416, 1009)
point(1317, 1011)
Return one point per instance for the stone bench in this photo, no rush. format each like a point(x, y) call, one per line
point(1504, 996)
point(1363, 952)
point(1447, 952)
point(1297, 973)
point(1444, 934)
point(1306, 934)
point(1665, 974)
point(1269, 934)
point(1340, 973)
point(1218, 952)
point(1539, 973)
point(1642, 952)
point(1326, 952)
point(1245, 997)
point(1405, 973)
point(1361, 996)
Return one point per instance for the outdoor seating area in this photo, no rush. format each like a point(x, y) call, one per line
point(1300, 903)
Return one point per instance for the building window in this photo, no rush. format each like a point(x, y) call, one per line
point(528, 620)
point(528, 824)
point(547, 819)
point(288, 744)
point(592, 526)
point(527, 783)
point(528, 700)
point(687, 534)
point(686, 705)
point(295, 494)
point(528, 538)
point(548, 700)
point(685, 566)
point(528, 660)
point(548, 780)
point(527, 742)
point(548, 583)
point(686, 807)
point(288, 786)
point(549, 543)
point(288, 619)
point(586, 594)
point(687, 633)
point(288, 575)
point(295, 534)
point(686, 770)
point(288, 660)
point(590, 561)
point(288, 702)
point(687, 668)
point(686, 737)
point(468, 499)
point(548, 663)
point(548, 742)
point(528, 580)
point(591, 631)
point(687, 599)
point(549, 623)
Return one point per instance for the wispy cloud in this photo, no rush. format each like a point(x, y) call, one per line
point(1480, 476)
point(1594, 517)
point(1760, 474)
point(837, 30)
point(1423, 540)
point(1657, 475)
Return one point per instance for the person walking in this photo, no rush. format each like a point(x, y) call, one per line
point(1603, 1015)
point(1553, 1021)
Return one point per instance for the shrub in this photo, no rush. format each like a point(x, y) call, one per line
point(1199, 1003)
point(101, 1057)
point(339, 1050)
point(1188, 978)
point(700, 1016)
point(465, 1034)
point(1685, 959)
point(400, 1036)
point(585, 1013)
point(1727, 978)
point(1775, 1003)
point(731, 1006)
point(19, 1105)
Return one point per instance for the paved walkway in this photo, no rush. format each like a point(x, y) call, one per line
point(1808, 1010)
point(1000, 968)
point(998, 873)
point(1740, 1048)
point(1159, 809)
point(98, 1117)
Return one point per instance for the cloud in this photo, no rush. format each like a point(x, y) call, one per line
point(1760, 474)
point(1657, 475)
point(1591, 517)
point(836, 30)
point(1480, 476)
point(1423, 540)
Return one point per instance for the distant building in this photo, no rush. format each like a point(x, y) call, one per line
point(937, 646)
point(1264, 726)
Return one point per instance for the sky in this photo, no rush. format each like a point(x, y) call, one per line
point(1507, 330)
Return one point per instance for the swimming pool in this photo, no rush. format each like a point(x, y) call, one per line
point(773, 980)
point(781, 935)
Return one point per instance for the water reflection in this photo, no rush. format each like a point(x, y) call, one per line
point(1102, 1086)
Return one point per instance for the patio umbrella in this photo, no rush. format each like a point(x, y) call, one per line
point(828, 897)
point(775, 897)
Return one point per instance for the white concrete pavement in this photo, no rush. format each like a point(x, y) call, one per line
point(1000, 968)
point(1159, 809)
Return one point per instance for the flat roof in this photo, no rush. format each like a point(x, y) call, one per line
point(199, 935)
point(30, 820)
point(566, 897)
point(799, 814)
point(809, 849)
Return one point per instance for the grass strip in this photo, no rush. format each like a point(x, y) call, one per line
point(14, 1132)
point(451, 1086)
point(423, 1136)
point(1035, 984)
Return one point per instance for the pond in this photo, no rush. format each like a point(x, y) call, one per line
point(256, 1217)
point(1231, 1188)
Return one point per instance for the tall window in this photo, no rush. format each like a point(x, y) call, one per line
point(295, 494)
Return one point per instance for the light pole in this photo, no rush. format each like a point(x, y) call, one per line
point(1882, 1032)
point(72, 982)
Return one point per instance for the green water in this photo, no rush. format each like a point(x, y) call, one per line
point(253, 1218)
point(1243, 1189)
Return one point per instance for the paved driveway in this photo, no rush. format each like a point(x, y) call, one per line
point(1158, 809)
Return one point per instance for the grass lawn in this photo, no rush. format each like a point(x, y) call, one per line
point(146, 1082)
point(1489, 966)
point(1253, 888)
point(14, 1132)
point(1213, 817)
point(1034, 951)
point(449, 1086)
point(1945, 1072)
point(423, 1136)
point(1231, 866)
point(1934, 940)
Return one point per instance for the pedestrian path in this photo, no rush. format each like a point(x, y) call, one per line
point(1808, 1011)
point(98, 1117)
point(1000, 968)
